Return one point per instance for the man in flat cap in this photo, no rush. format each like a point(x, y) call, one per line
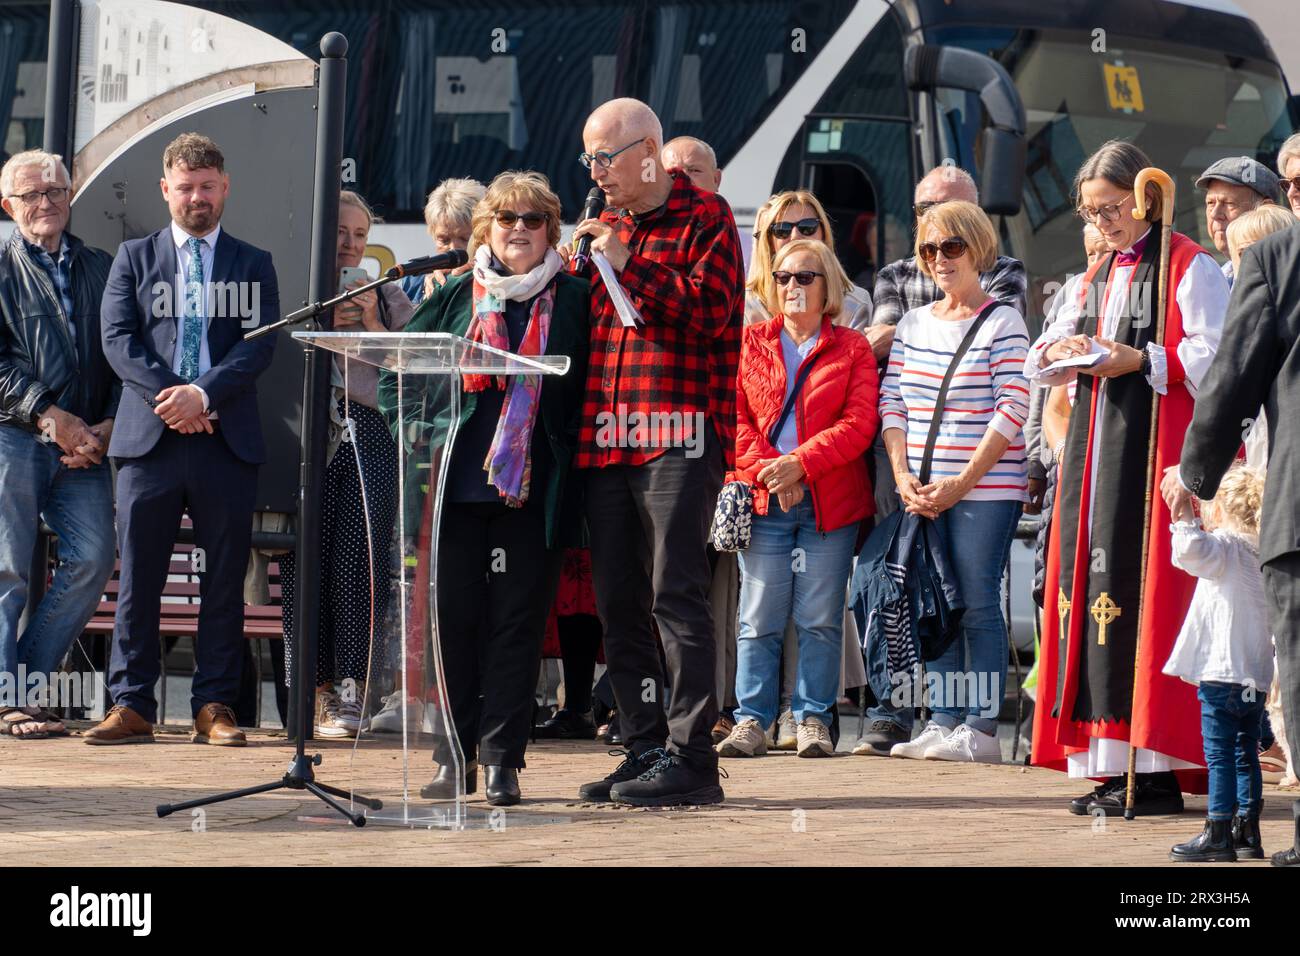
point(1233, 186)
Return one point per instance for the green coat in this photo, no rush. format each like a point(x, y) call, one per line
point(449, 309)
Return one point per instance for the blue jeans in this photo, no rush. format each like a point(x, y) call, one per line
point(78, 505)
point(792, 569)
point(1230, 721)
point(969, 678)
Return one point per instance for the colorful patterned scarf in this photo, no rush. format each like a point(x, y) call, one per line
point(509, 462)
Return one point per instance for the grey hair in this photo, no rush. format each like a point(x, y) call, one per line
point(682, 140)
point(950, 172)
point(31, 157)
point(1290, 150)
point(453, 200)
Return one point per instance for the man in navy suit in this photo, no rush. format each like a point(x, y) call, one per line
point(188, 438)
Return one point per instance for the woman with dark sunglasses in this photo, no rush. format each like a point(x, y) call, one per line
point(787, 216)
point(805, 417)
point(978, 481)
point(509, 501)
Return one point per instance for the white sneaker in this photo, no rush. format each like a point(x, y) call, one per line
point(388, 719)
point(745, 740)
point(814, 738)
point(915, 749)
point(786, 735)
point(966, 744)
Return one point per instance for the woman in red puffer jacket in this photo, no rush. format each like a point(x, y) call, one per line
point(811, 491)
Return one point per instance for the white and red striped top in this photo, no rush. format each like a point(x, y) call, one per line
point(988, 390)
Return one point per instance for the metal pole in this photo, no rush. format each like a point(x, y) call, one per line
point(316, 383)
point(62, 63)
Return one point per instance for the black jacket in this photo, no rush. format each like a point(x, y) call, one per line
point(450, 309)
point(40, 364)
point(905, 598)
point(1257, 364)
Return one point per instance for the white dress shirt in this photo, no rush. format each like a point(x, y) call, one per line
point(209, 241)
point(1202, 297)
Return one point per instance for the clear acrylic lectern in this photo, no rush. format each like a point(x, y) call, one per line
point(412, 732)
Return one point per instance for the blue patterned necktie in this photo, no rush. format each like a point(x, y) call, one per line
point(193, 334)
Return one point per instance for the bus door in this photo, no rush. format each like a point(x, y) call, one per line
point(861, 170)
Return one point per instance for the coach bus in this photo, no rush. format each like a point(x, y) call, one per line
point(833, 95)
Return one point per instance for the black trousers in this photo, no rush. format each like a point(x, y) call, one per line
point(496, 582)
point(1282, 588)
point(649, 525)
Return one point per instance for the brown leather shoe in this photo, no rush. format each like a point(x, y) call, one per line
point(121, 725)
point(215, 724)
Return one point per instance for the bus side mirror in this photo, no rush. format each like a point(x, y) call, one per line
point(929, 67)
point(1003, 171)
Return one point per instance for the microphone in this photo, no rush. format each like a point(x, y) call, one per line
point(594, 207)
point(418, 267)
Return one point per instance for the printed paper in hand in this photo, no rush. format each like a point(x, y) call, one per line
point(1080, 361)
point(626, 310)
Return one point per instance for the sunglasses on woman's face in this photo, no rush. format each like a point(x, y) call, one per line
point(507, 218)
point(1286, 185)
point(783, 230)
point(803, 278)
point(952, 248)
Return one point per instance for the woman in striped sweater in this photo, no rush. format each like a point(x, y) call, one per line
point(978, 480)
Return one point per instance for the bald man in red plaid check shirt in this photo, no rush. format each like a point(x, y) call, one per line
point(658, 430)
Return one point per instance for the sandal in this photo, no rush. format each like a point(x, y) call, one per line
point(14, 717)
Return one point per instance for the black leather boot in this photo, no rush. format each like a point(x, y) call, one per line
point(443, 784)
point(502, 785)
point(1214, 845)
point(1246, 839)
point(1291, 855)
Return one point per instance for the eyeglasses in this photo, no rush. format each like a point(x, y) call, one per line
point(1109, 212)
point(806, 227)
point(506, 218)
point(33, 198)
point(803, 278)
point(1288, 184)
point(953, 247)
point(604, 160)
point(921, 208)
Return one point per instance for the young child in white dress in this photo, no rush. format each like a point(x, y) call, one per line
point(1226, 649)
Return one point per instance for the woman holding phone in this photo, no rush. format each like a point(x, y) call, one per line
point(354, 573)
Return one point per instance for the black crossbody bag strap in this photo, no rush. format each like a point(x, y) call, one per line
point(942, 398)
point(789, 402)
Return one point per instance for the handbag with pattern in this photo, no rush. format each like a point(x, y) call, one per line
point(733, 518)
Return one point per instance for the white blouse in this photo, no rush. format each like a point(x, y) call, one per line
point(1202, 297)
point(1225, 637)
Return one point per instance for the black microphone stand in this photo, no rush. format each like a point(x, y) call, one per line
point(314, 437)
point(299, 776)
point(309, 312)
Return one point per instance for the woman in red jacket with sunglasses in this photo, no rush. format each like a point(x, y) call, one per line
point(811, 491)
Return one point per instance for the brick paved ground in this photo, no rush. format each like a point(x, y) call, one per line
point(65, 803)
